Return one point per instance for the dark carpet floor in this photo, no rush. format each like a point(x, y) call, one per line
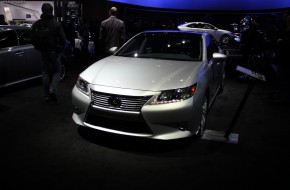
point(41, 146)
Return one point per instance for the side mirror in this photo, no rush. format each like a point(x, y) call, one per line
point(219, 57)
point(113, 50)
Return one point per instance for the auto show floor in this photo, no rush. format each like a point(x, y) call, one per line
point(41, 146)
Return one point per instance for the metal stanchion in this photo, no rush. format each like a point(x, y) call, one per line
point(238, 112)
point(227, 136)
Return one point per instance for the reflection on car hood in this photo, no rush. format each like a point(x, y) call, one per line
point(141, 74)
point(226, 31)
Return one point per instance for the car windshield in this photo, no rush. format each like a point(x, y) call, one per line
point(164, 45)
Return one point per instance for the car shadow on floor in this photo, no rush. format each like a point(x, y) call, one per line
point(129, 143)
point(192, 146)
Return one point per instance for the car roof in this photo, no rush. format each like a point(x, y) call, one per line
point(12, 27)
point(186, 23)
point(173, 31)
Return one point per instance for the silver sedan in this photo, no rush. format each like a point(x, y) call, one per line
point(158, 85)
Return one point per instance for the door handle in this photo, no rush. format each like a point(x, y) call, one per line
point(19, 53)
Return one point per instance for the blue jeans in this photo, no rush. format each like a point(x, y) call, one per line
point(50, 72)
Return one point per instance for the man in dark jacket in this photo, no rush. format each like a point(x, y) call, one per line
point(112, 31)
point(51, 52)
point(2, 20)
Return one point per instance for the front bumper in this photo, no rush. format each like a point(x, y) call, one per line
point(166, 121)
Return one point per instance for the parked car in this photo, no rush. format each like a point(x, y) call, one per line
point(222, 36)
point(158, 85)
point(19, 61)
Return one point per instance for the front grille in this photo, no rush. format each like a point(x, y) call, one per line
point(118, 124)
point(127, 103)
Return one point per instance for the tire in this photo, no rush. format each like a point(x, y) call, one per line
point(225, 39)
point(204, 110)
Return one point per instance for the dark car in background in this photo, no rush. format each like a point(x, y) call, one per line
point(19, 61)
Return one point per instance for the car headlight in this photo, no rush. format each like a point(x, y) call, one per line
point(82, 85)
point(176, 95)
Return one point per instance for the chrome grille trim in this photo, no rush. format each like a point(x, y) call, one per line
point(102, 108)
point(129, 103)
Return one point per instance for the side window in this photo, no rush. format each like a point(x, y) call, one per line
point(191, 25)
point(199, 25)
point(25, 37)
point(194, 25)
point(207, 26)
point(8, 39)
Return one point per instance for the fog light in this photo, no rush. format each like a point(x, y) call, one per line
point(77, 111)
point(183, 126)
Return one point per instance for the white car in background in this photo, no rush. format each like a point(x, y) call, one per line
point(220, 35)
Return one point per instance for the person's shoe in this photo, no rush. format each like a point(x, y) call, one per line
point(52, 97)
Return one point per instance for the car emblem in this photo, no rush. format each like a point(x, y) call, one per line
point(115, 101)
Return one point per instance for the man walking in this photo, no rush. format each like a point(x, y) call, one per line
point(49, 38)
point(112, 32)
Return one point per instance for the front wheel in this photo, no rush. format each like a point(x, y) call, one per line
point(204, 109)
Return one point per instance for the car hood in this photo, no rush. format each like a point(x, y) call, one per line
point(141, 73)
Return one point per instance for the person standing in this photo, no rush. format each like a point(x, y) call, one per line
point(112, 32)
point(85, 35)
point(2, 20)
point(94, 30)
point(49, 38)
